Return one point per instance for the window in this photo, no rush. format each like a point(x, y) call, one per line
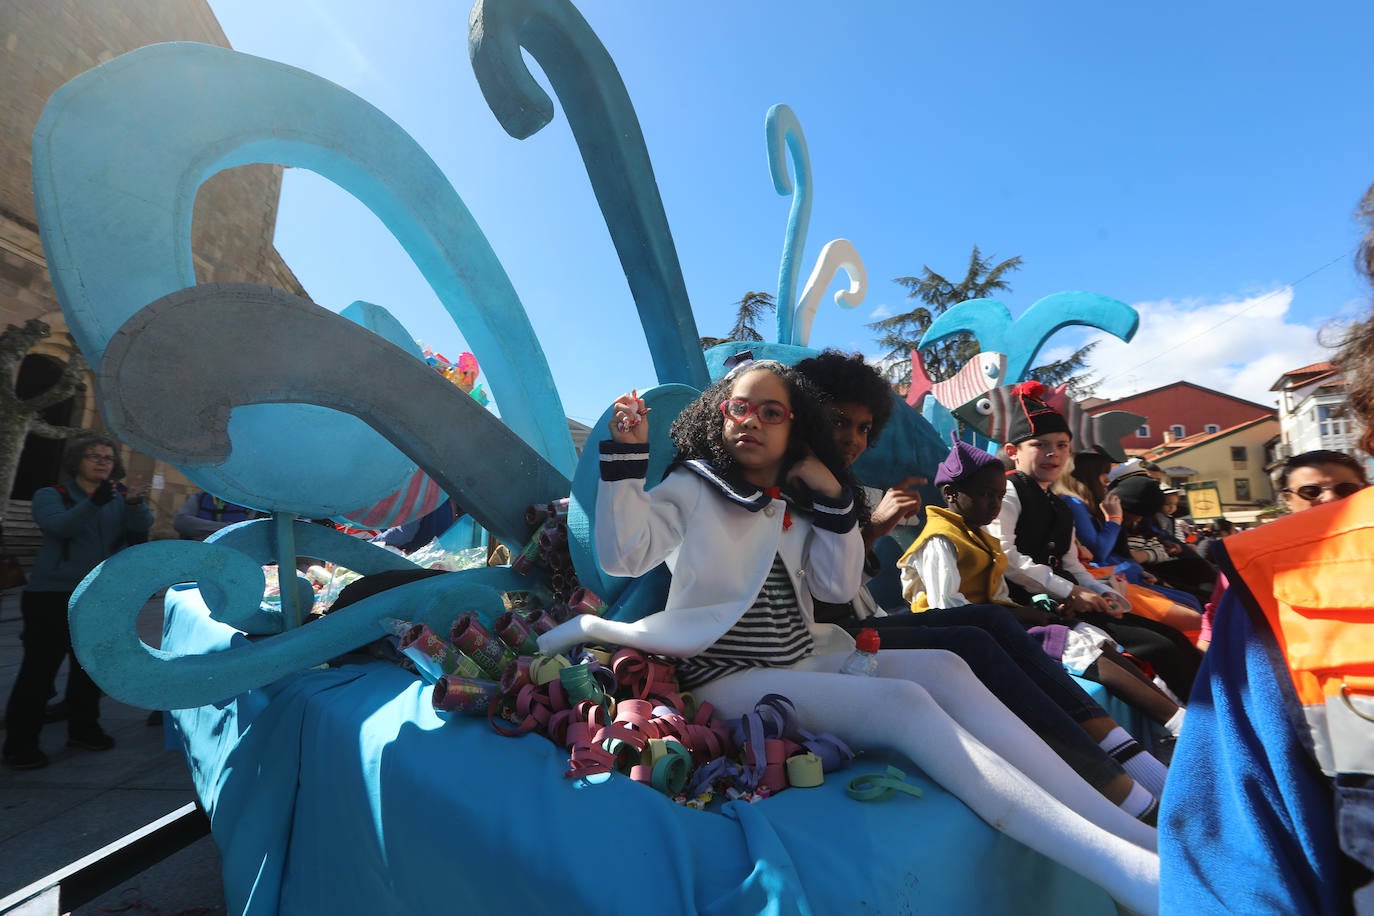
point(1177, 430)
point(1242, 489)
point(1332, 420)
point(1212, 428)
point(1238, 456)
point(1143, 432)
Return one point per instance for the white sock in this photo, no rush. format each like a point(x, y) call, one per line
point(1140, 804)
point(1175, 724)
point(1159, 682)
point(1137, 763)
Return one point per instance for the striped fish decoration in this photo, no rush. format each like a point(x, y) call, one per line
point(418, 497)
point(989, 416)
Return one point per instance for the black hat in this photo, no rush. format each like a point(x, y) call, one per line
point(1030, 416)
point(1140, 495)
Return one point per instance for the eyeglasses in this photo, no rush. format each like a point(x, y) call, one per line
point(769, 412)
point(99, 459)
point(1313, 491)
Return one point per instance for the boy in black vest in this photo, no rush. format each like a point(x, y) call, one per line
point(1036, 533)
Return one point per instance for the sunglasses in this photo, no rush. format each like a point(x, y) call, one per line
point(99, 459)
point(1312, 491)
point(769, 412)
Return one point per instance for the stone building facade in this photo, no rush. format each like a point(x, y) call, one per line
point(43, 44)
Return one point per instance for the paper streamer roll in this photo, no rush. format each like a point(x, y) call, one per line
point(432, 656)
point(671, 770)
point(804, 771)
point(541, 622)
point(478, 644)
point(580, 684)
point(524, 561)
point(464, 695)
point(874, 786)
point(601, 656)
point(584, 601)
point(551, 539)
point(516, 675)
point(516, 633)
point(546, 668)
point(775, 770)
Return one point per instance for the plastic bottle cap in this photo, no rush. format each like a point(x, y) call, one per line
point(867, 640)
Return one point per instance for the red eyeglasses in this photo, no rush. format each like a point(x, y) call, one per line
point(770, 412)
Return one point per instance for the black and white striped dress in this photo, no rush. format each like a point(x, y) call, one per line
point(770, 634)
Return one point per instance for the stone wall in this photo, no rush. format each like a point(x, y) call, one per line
point(45, 43)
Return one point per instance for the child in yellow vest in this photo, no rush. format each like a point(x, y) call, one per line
point(954, 562)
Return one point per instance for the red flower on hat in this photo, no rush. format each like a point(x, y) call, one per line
point(1029, 389)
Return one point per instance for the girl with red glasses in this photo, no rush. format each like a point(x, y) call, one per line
point(757, 514)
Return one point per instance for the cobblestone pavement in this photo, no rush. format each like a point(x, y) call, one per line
point(82, 801)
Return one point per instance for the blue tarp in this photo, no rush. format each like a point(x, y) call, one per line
point(339, 791)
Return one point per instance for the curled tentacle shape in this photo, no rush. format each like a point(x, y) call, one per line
point(105, 606)
point(608, 135)
point(785, 140)
point(130, 142)
point(174, 401)
point(991, 323)
point(837, 255)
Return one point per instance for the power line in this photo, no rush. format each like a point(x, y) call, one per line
point(1265, 297)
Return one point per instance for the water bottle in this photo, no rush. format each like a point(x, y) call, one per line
point(864, 660)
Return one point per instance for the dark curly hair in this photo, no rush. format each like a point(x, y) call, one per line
point(846, 377)
point(1356, 358)
point(699, 431)
point(75, 450)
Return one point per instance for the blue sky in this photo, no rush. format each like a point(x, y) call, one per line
point(1200, 161)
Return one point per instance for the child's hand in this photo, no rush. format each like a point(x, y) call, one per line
point(817, 477)
point(897, 505)
point(630, 421)
point(1083, 601)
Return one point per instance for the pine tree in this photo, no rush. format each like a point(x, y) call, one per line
point(900, 334)
point(748, 311)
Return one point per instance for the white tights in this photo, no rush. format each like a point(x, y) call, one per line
point(927, 705)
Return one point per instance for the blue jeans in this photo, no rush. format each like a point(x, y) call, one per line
point(1014, 669)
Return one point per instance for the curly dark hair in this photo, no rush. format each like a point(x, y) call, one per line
point(846, 377)
point(1356, 358)
point(75, 450)
point(699, 431)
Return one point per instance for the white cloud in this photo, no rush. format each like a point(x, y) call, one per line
point(338, 55)
point(881, 312)
point(1236, 346)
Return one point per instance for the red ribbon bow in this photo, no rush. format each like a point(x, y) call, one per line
point(776, 493)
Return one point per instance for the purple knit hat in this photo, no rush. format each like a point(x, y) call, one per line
point(963, 461)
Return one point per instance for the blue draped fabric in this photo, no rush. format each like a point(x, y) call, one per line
point(340, 791)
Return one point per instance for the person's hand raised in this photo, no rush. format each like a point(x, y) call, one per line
point(629, 419)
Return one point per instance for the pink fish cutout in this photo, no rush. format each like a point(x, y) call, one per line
point(920, 381)
point(981, 374)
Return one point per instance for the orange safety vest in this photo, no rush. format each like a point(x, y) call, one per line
point(1312, 576)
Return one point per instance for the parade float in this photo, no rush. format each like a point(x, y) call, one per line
point(342, 787)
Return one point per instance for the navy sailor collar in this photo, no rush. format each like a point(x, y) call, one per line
point(730, 486)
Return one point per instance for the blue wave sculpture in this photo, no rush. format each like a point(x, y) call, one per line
point(282, 426)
